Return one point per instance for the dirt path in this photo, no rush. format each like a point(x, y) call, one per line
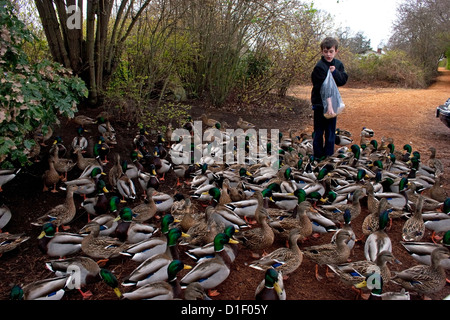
point(407, 115)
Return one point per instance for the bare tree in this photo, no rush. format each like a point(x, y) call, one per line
point(92, 55)
point(422, 29)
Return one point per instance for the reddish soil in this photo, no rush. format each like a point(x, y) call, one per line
point(406, 115)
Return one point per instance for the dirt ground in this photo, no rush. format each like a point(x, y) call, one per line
point(406, 115)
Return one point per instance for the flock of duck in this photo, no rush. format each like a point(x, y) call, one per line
point(217, 209)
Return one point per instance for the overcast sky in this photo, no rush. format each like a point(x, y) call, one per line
point(373, 18)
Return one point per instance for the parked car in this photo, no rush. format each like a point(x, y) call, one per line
point(443, 113)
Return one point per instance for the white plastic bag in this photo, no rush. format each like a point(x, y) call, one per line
point(331, 98)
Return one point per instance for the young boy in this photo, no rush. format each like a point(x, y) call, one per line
point(322, 125)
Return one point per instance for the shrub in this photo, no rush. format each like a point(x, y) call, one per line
point(31, 95)
point(394, 67)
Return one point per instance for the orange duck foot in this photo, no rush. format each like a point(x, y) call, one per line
point(213, 293)
point(86, 294)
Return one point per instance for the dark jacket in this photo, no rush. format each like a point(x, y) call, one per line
point(320, 73)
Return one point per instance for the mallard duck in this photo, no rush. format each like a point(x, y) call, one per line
point(86, 184)
point(100, 247)
point(247, 208)
point(207, 250)
point(130, 231)
point(148, 179)
point(126, 188)
point(107, 222)
point(374, 282)
point(7, 175)
point(397, 200)
point(116, 171)
point(80, 141)
point(183, 210)
point(136, 164)
point(99, 203)
point(428, 203)
point(101, 150)
point(437, 191)
point(329, 253)
point(83, 120)
point(154, 268)
point(336, 212)
point(154, 245)
point(424, 279)
point(342, 139)
point(421, 251)
point(5, 214)
point(87, 272)
point(62, 214)
point(10, 241)
point(147, 210)
point(162, 166)
point(58, 244)
point(299, 219)
point(184, 172)
point(211, 272)
point(195, 291)
point(62, 165)
point(414, 228)
point(221, 215)
point(46, 132)
point(285, 260)
point(83, 162)
point(271, 287)
point(288, 201)
point(435, 163)
point(355, 272)
point(379, 240)
point(163, 201)
point(50, 177)
point(202, 177)
point(104, 124)
point(437, 226)
point(45, 289)
point(162, 290)
point(348, 228)
point(244, 124)
point(58, 149)
point(320, 223)
point(370, 222)
point(209, 122)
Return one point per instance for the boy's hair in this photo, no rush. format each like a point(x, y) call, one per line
point(328, 43)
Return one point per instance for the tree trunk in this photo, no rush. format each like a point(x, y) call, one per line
point(93, 59)
point(91, 9)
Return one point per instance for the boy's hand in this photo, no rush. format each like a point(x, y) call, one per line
point(332, 68)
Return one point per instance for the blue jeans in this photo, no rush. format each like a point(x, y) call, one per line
point(323, 126)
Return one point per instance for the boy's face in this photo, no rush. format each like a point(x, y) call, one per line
point(329, 53)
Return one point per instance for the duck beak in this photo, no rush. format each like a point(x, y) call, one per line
point(117, 292)
point(277, 288)
point(41, 235)
point(187, 267)
point(185, 235)
point(233, 241)
point(117, 219)
point(360, 285)
point(105, 190)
